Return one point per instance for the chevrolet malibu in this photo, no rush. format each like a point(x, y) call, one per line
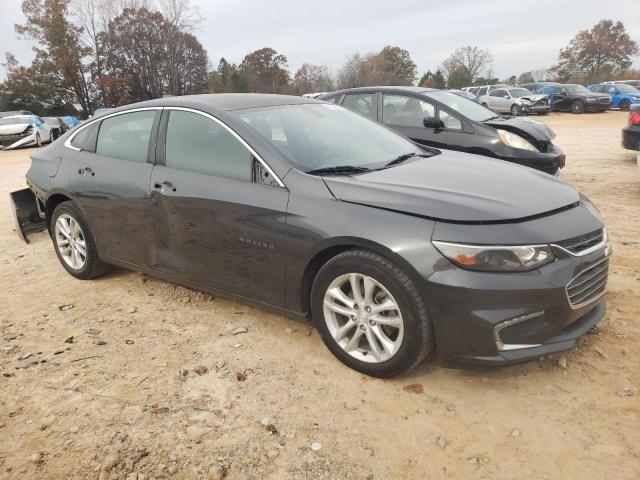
point(311, 210)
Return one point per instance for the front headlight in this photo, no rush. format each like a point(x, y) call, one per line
point(490, 258)
point(515, 141)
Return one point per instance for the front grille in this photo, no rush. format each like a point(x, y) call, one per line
point(589, 285)
point(583, 242)
point(605, 100)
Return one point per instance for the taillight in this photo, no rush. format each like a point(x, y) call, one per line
point(634, 118)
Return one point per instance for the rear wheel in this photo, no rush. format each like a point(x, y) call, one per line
point(370, 314)
point(577, 106)
point(625, 105)
point(74, 243)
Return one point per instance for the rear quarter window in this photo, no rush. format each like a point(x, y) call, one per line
point(86, 138)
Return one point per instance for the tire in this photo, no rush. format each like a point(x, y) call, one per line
point(92, 266)
point(543, 112)
point(38, 140)
point(412, 339)
point(577, 106)
point(484, 105)
point(516, 111)
point(625, 105)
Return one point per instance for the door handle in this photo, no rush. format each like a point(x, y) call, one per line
point(86, 171)
point(164, 186)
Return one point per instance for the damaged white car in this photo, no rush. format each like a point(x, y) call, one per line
point(516, 101)
point(23, 131)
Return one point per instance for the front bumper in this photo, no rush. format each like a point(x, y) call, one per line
point(550, 161)
point(596, 106)
point(536, 108)
point(8, 142)
point(631, 137)
point(504, 318)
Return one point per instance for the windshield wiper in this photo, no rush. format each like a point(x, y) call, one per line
point(492, 118)
point(404, 157)
point(338, 169)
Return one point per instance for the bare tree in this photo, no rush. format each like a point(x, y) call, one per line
point(181, 14)
point(466, 64)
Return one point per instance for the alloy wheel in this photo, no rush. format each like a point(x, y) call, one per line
point(515, 110)
point(363, 318)
point(70, 241)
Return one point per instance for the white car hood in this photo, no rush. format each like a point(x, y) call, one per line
point(533, 98)
point(13, 129)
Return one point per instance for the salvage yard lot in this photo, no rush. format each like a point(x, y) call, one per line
point(153, 381)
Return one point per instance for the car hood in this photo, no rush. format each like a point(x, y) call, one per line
point(533, 128)
point(591, 94)
point(13, 129)
point(457, 187)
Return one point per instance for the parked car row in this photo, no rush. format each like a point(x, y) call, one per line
point(392, 247)
point(23, 129)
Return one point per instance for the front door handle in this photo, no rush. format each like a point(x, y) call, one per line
point(86, 171)
point(164, 186)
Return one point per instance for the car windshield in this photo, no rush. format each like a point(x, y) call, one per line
point(14, 121)
point(519, 92)
point(576, 89)
point(319, 136)
point(468, 108)
point(624, 88)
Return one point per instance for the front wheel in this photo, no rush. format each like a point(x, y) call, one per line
point(38, 140)
point(625, 105)
point(515, 110)
point(370, 314)
point(577, 106)
point(74, 243)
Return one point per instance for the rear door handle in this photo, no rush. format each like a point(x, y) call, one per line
point(86, 171)
point(164, 186)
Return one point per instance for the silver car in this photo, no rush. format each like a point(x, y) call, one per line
point(22, 131)
point(516, 101)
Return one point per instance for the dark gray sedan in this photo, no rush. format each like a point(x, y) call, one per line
point(311, 210)
point(444, 120)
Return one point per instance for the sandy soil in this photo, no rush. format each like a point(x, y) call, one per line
point(155, 386)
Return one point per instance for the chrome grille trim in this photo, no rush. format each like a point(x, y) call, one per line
point(584, 244)
point(589, 285)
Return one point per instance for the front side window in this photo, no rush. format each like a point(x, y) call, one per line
point(404, 111)
point(573, 89)
point(483, 91)
point(126, 136)
point(314, 136)
point(362, 103)
point(450, 122)
point(196, 143)
point(498, 93)
point(599, 88)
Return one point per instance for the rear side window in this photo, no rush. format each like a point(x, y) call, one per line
point(361, 103)
point(86, 138)
point(126, 136)
point(197, 144)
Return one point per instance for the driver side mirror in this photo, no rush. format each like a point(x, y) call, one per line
point(433, 122)
point(561, 94)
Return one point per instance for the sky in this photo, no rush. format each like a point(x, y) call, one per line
point(521, 36)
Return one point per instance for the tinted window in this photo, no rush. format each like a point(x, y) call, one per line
point(331, 99)
point(126, 136)
point(483, 91)
point(598, 88)
point(498, 93)
point(85, 139)
point(361, 103)
point(450, 121)
point(198, 144)
point(558, 90)
point(405, 111)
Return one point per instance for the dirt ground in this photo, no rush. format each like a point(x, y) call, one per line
point(154, 385)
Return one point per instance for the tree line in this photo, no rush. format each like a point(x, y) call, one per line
point(107, 53)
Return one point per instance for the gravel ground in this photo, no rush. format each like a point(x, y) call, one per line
point(130, 377)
